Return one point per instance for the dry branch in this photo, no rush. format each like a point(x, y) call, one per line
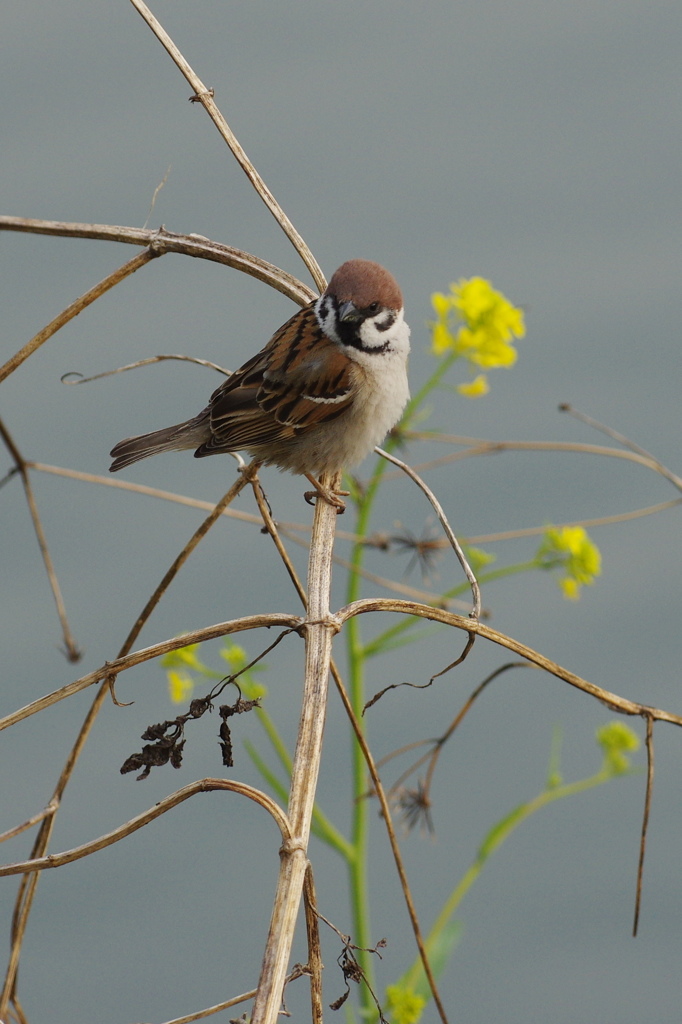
point(611, 700)
point(55, 860)
point(205, 97)
point(119, 665)
point(161, 241)
point(27, 888)
point(319, 630)
point(72, 652)
point(449, 532)
point(477, 447)
point(75, 308)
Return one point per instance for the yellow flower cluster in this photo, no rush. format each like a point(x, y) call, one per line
point(180, 685)
point(571, 549)
point(180, 681)
point(404, 1005)
point(617, 740)
point(488, 324)
point(235, 656)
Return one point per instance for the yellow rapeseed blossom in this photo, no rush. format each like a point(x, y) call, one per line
point(177, 663)
point(235, 656)
point(570, 549)
point(180, 685)
point(404, 1005)
point(442, 338)
point(616, 739)
point(183, 656)
point(475, 388)
point(488, 323)
point(442, 304)
point(480, 305)
point(484, 347)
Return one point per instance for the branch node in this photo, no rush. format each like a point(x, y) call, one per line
point(202, 94)
point(291, 846)
point(157, 241)
point(332, 622)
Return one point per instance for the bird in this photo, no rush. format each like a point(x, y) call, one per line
point(327, 387)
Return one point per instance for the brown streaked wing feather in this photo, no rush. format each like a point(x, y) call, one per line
point(247, 429)
point(316, 387)
point(251, 372)
point(299, 380)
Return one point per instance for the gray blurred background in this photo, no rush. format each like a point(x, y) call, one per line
point(534, 143)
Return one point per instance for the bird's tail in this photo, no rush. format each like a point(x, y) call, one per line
point(171, 439)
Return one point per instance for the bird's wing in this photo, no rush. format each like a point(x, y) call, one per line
point(299, 380)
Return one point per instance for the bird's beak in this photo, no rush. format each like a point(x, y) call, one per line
point(347, 311)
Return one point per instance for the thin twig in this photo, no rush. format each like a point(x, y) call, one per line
point(271, 527)
point(210, 1010)
point(464, 710)
point(314, 948)
point(243, 998)
point(151, 492)
point(56, 860)
point(645, 817)
point(30, 822)
point(205, 97)
point(161, 241)
point(611, 700)
point(150, 361)
point(198, 535)
point(73, 652)
point(438, 509)
point(610, 432)
point(395, 848)
point(482, 447)
point(537, 531)
point(156, 194)
point(75, 308)
point(129, 661)
point(436, 744)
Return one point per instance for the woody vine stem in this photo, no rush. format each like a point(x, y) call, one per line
point(319, 631)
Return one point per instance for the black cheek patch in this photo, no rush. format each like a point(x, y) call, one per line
point(381, 327)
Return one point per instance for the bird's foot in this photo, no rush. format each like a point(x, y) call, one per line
point(332, 498)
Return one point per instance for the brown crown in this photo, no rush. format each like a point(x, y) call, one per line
point(363, 282)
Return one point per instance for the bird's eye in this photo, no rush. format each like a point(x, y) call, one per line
point(373, 307)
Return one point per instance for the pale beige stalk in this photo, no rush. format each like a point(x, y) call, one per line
point(320, 629)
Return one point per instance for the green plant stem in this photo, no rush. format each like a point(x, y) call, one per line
point(497, 835)
point(357, 866)
point(321, 826)
point(276, 741)
point(376, 646)
point(426, 388)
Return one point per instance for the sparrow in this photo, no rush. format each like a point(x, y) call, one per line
point(327, 387)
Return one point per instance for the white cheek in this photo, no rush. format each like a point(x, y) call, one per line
point(370, 336)
point(326, 317)
point(397, 336)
